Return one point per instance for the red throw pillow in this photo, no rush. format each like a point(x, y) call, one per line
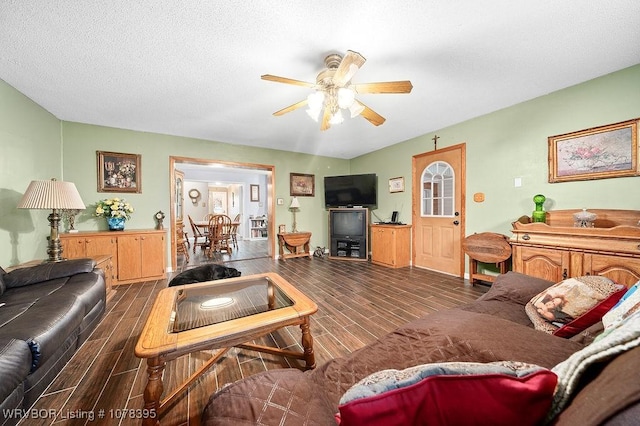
point(446, 399)
point(590, 317)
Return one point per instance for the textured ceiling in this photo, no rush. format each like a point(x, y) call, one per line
point(192, 68)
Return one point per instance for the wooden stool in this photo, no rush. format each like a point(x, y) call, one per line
point(486, 247)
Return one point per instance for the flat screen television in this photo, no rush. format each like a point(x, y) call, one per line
point(351, 190)
point(348, 224)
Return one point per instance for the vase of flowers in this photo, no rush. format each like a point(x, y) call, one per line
point(116, 211)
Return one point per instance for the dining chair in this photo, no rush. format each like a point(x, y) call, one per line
point(219, 234)
point(181, 242)
point(197, 234)
point(235, 223)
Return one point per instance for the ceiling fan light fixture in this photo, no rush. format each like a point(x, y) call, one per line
point(314, 114)
point(336, 118)
point(346, 97)
point(356, 109)
point(316, 100)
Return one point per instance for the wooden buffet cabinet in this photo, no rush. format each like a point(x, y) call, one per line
point(557, 250)
point(391, 245)
point(136, 255)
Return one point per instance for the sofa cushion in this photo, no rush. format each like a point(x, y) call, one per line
point(515, 287)
point(43, 324)
point(572, 305)
point(278, 397)
point(15, 363)
point(2, 284)
point(451, 393)
point(47, 271)
point(453, 335)
point(607, 389)
point(579, 368)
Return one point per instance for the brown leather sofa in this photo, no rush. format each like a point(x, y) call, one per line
point(493, 328)
point(46, 312)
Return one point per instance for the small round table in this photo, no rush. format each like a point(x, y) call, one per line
point(296, 242)
point(486, 247)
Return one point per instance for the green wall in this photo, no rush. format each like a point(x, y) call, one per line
point(511, 143)
point(500, 146)
point(31, 150)
point(81, 141)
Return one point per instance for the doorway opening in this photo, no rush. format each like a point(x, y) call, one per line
point(200, 186)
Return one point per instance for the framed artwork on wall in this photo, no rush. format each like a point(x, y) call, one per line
point(396, 184)
point(597, 153)
point(301, 185)
point(255, 192)
point(119, 172)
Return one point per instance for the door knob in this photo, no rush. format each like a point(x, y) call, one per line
point(455, 222)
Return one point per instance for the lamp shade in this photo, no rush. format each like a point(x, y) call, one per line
point(51, 194)
point(295, 204)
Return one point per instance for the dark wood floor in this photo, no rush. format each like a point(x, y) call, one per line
point(358, 303)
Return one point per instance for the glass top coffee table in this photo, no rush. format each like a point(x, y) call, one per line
point(218, 315)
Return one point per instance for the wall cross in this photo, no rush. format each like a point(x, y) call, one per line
point(435, 142)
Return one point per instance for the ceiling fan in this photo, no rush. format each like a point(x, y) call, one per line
point(333, 91)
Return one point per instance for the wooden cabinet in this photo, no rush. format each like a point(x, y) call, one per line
point(547, 263)
point(79, 245)
point(136, 255)
point(556, 250)
point(142, 251)
point(391, 245)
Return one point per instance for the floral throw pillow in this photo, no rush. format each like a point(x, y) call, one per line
point(570, 306)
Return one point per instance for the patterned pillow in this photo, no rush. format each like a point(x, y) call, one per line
point(499, 393)
point(627, 305)
point(572, 305)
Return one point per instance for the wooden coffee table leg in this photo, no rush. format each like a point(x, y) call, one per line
point(307, 344)
point(153, 390)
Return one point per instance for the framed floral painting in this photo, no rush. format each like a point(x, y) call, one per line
point(118, 172)
point(597, 153)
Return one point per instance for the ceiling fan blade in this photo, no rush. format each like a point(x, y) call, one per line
point(371, 116)
point(291, 108)
point(349, 65)
point(326, 116)
point(286, 80)
point(403, 86)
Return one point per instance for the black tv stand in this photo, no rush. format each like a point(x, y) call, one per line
point(350, 247)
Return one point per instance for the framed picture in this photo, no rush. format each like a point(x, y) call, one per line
point(597, 153)
point(118, 172)
point(301, 185)
point(255, 192)
point(396, 184)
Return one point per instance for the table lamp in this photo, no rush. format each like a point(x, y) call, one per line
point(56, 195)
point(294, 207)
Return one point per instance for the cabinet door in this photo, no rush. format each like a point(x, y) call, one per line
point(549, 264)
point(623, 270)
point(129, 259)
point(73, 247)
point(103, 244)
point(382, 245)
point(151, 255)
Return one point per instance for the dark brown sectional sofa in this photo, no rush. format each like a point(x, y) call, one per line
point(46, 312)
point(493, 328)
